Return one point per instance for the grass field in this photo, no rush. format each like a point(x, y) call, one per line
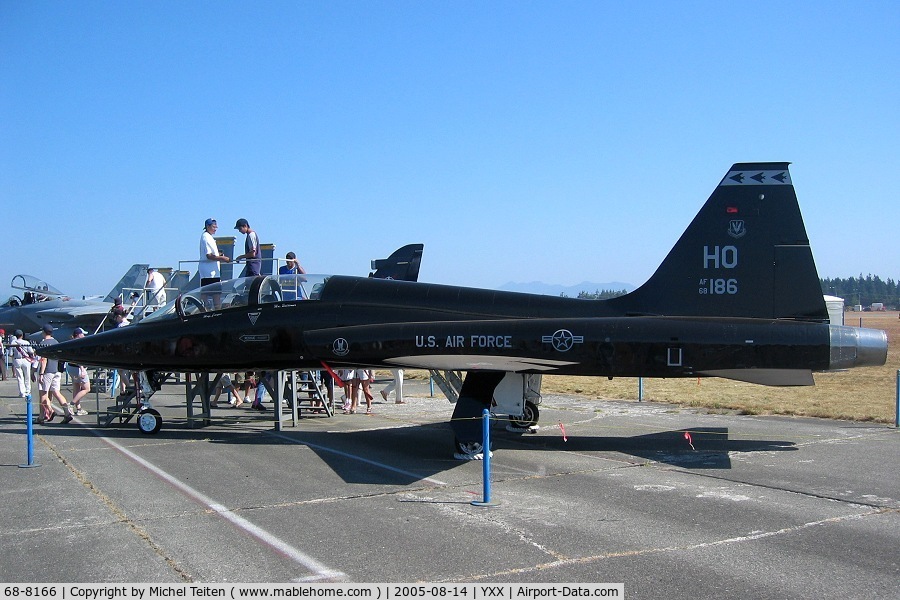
point(864, 394)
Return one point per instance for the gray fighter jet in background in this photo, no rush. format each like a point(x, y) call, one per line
point(42, 304)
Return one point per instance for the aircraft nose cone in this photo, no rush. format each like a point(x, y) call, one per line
point(47, 351)
point(76, 351)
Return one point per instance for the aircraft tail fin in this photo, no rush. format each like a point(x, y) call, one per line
point(745, 254)
point(134, 278)
point(402, 265)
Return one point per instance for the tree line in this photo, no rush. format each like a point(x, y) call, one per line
point(599, 294)
point(863, 290)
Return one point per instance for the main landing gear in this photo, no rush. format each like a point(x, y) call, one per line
point(149, 421)
point(529, 418)
point(146, 384)
point(512, 394)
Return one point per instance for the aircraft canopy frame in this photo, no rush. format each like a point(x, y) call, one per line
point(243, 292)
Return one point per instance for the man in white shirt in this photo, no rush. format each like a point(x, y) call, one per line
point(2, 355)
point(210, 257)
point(22, 355)
point(155, 288)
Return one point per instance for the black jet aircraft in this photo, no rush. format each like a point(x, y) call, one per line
point(738, 296)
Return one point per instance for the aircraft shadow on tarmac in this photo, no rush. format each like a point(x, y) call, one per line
point(701, 448)
point(404, 456)
point(426, 449)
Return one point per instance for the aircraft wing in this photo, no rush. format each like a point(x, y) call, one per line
point(449, 362)
point(86, 313)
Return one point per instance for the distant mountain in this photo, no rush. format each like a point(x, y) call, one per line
point(572, 291)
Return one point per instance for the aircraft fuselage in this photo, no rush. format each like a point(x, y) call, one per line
point(374, 332)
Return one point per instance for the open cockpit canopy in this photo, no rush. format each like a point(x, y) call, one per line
point(244, 292)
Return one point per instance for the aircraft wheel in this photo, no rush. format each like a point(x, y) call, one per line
point(149, 421)
point(529, 418)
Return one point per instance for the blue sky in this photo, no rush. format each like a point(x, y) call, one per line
point(519, 141)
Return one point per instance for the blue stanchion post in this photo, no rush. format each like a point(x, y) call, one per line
point(486, 462)
point(29, 433)
point(640, 389)
point(897, 412)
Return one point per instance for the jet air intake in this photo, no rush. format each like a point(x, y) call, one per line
point(857, 347)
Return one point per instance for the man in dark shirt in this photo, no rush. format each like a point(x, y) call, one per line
point(49, 381)
point(252, 252)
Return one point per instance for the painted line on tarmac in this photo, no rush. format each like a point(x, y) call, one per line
point(367, 461)
point(544, 568)
point(321, 572)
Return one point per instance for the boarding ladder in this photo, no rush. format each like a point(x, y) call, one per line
point(309, 391)
point(311, 394)
point(450, 383)
point(127, 405)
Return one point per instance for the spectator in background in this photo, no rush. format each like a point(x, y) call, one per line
point(263, 377)
point(346, 377)
point(226, 385)
point(22, 354)
point(81, 383)
point(290, 286)
point(49, 382)
point(2, 355)
point(396, 386)
point(155, 289)
point(363, 379)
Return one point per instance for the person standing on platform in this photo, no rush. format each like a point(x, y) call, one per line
point(210, 257)
point(252, 252)
point(290, 286)
point(155, 289)
point(292, 266)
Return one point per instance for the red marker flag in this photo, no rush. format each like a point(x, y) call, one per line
point(563, 429)
point(337, 380)
point(687, 436)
